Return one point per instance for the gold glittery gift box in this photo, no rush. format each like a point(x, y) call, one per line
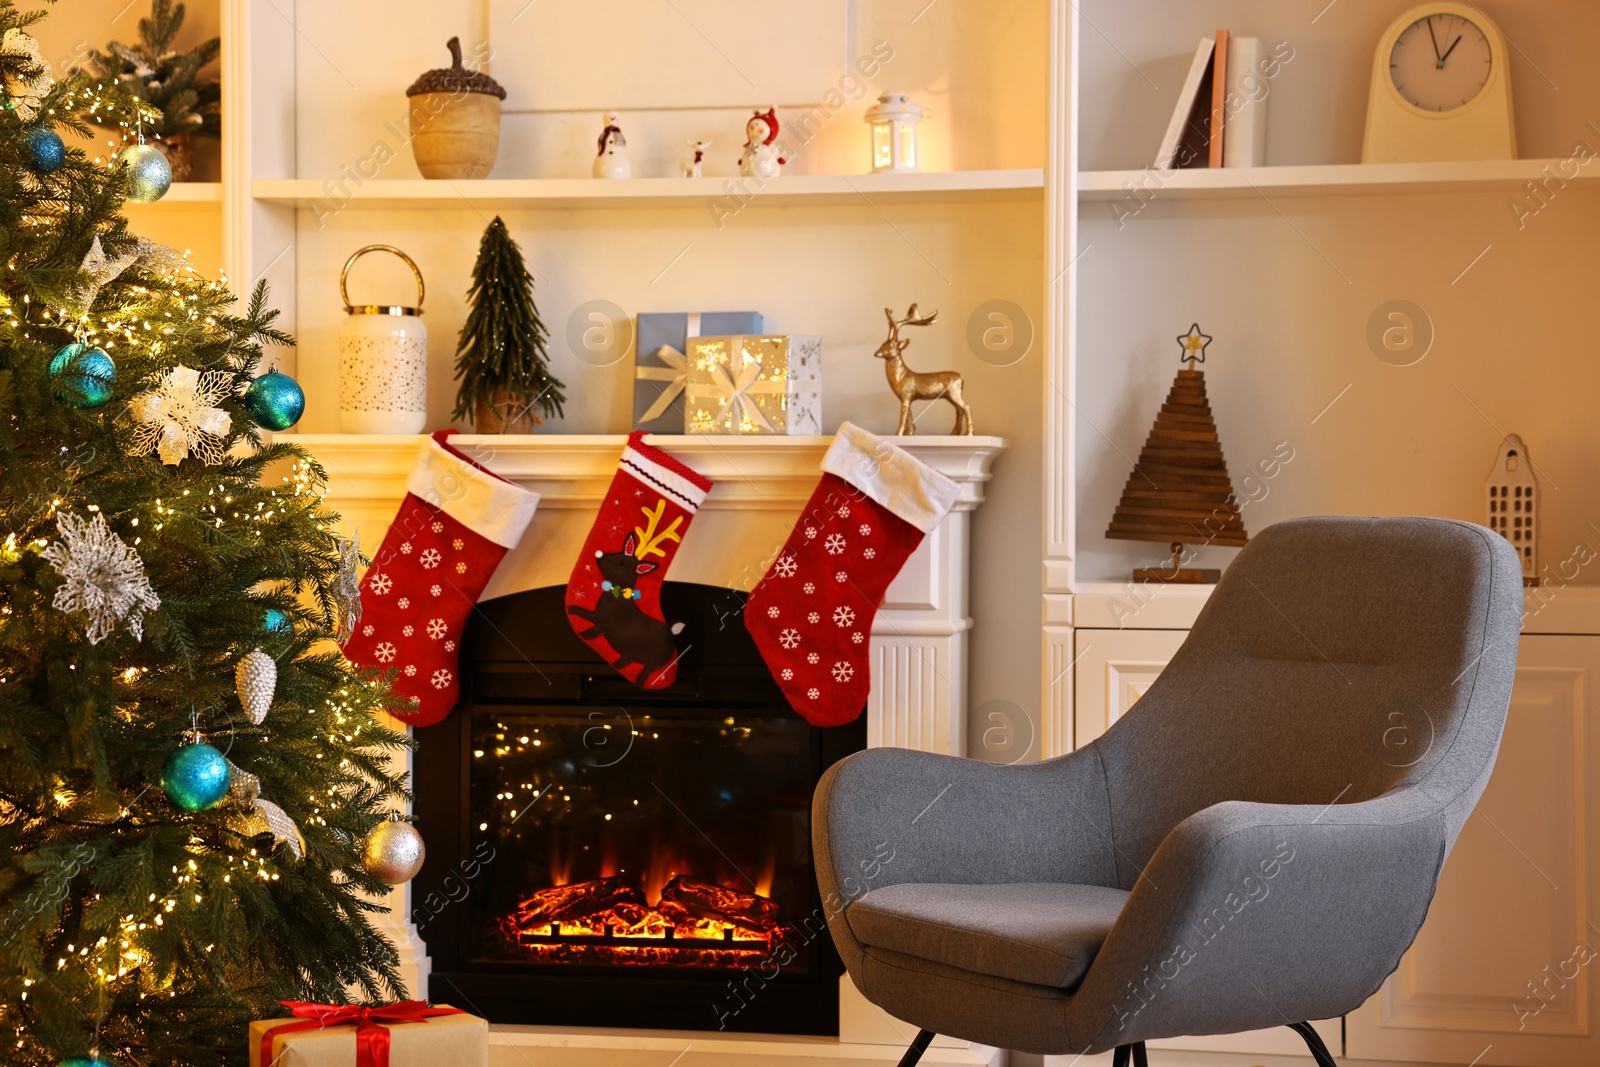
point(754, 384)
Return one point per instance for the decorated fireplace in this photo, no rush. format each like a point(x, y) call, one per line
point(604, 855)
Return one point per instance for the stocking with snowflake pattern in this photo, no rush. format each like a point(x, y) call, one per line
point(454, 527)
point(811, 615)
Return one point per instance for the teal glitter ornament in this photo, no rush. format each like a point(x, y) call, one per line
point(89, 1061)
point(275, 400)
point(84, 376)
point(150, 175)
point(276, 622)
point(196, 777)
point(46, 151)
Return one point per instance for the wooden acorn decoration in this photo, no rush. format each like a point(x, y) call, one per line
point(256, 678)
point(455, 120)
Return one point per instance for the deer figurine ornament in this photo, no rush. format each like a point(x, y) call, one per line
point(911, 385)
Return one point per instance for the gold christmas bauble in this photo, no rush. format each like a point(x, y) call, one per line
point(393, 852)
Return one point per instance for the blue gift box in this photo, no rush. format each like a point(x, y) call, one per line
point(660, 367)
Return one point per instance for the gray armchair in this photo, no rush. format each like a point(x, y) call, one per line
point(1254, 844)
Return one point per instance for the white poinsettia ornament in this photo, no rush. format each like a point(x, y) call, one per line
point(104, 577)
point(27, 75)
point(178, 418)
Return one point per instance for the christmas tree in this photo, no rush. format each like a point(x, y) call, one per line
point(168, 80)
point(502, 356)
point(156, 893)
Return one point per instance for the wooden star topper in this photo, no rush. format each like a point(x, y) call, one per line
point(1194, 345)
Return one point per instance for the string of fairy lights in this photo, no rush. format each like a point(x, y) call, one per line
point(176, 308)
point(113, 960)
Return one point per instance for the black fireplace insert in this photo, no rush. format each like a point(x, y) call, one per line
point(604, 855)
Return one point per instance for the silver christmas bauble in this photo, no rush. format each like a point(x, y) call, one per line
point(393, 852)
point(150, 175)
point(256, 678)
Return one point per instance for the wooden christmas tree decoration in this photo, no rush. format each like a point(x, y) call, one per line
point(1179, 490)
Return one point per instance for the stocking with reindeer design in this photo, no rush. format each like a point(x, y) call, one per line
point(613, 597)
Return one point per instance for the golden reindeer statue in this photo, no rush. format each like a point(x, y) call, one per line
point(911, 385)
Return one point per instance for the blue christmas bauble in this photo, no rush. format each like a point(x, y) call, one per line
point(83, 375)
point(275, 400)
point(150, 174)
point(89, 1061)
point(196, 777)
point(276, 622)
point(46, 151)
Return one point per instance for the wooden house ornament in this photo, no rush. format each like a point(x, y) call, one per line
point(1180, 491)
point(1513, 498)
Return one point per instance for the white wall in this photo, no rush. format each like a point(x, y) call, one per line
point(979, 66)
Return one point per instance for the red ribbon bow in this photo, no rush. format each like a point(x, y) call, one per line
point(372, 1030)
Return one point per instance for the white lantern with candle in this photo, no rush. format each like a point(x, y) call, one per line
point(383, 360)
point(894, 121)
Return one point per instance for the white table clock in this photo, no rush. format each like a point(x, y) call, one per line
point(1441, 89)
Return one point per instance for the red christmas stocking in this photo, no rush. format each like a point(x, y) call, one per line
point(613, 597)
point(812, 614)
point(452, 530)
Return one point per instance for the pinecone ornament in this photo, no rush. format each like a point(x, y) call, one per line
point(256, 678)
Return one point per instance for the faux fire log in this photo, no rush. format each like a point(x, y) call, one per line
point(574, 903)
point(684, 898)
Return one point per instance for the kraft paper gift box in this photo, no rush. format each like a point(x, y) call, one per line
point(456, 1040)
point(660, 363)
point(745, 384)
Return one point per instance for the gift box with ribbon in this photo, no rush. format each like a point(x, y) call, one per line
point(661, 368)
point(409, 1033)
point(765, 384)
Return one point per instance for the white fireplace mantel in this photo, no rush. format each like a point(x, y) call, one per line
point(760, 485)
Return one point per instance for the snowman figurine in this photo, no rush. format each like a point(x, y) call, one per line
point(612, 159)
point(761, 158)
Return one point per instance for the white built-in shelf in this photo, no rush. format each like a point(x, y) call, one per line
point(981, 185)
point(187, 193)
point(1335, 179)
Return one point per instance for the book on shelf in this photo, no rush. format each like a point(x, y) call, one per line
point(1220, 119)
point(1244, 141)
point(1219, 100)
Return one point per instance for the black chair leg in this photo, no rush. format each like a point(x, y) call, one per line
point(1122, 1053)
point(919, 1045)
point(1319, 1051)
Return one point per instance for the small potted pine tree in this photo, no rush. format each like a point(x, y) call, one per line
point(502, 355)
point(155, 72)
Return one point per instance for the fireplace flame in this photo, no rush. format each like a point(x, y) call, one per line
point(608, 920)
point(769, 871)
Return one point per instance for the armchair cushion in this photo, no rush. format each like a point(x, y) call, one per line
point(1042, 933)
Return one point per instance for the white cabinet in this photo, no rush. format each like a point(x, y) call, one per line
point(1503, 969)
point(1113, 669)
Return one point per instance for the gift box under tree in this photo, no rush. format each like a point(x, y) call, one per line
point(661, 368)
point(406, 1034)
point(755, 384)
